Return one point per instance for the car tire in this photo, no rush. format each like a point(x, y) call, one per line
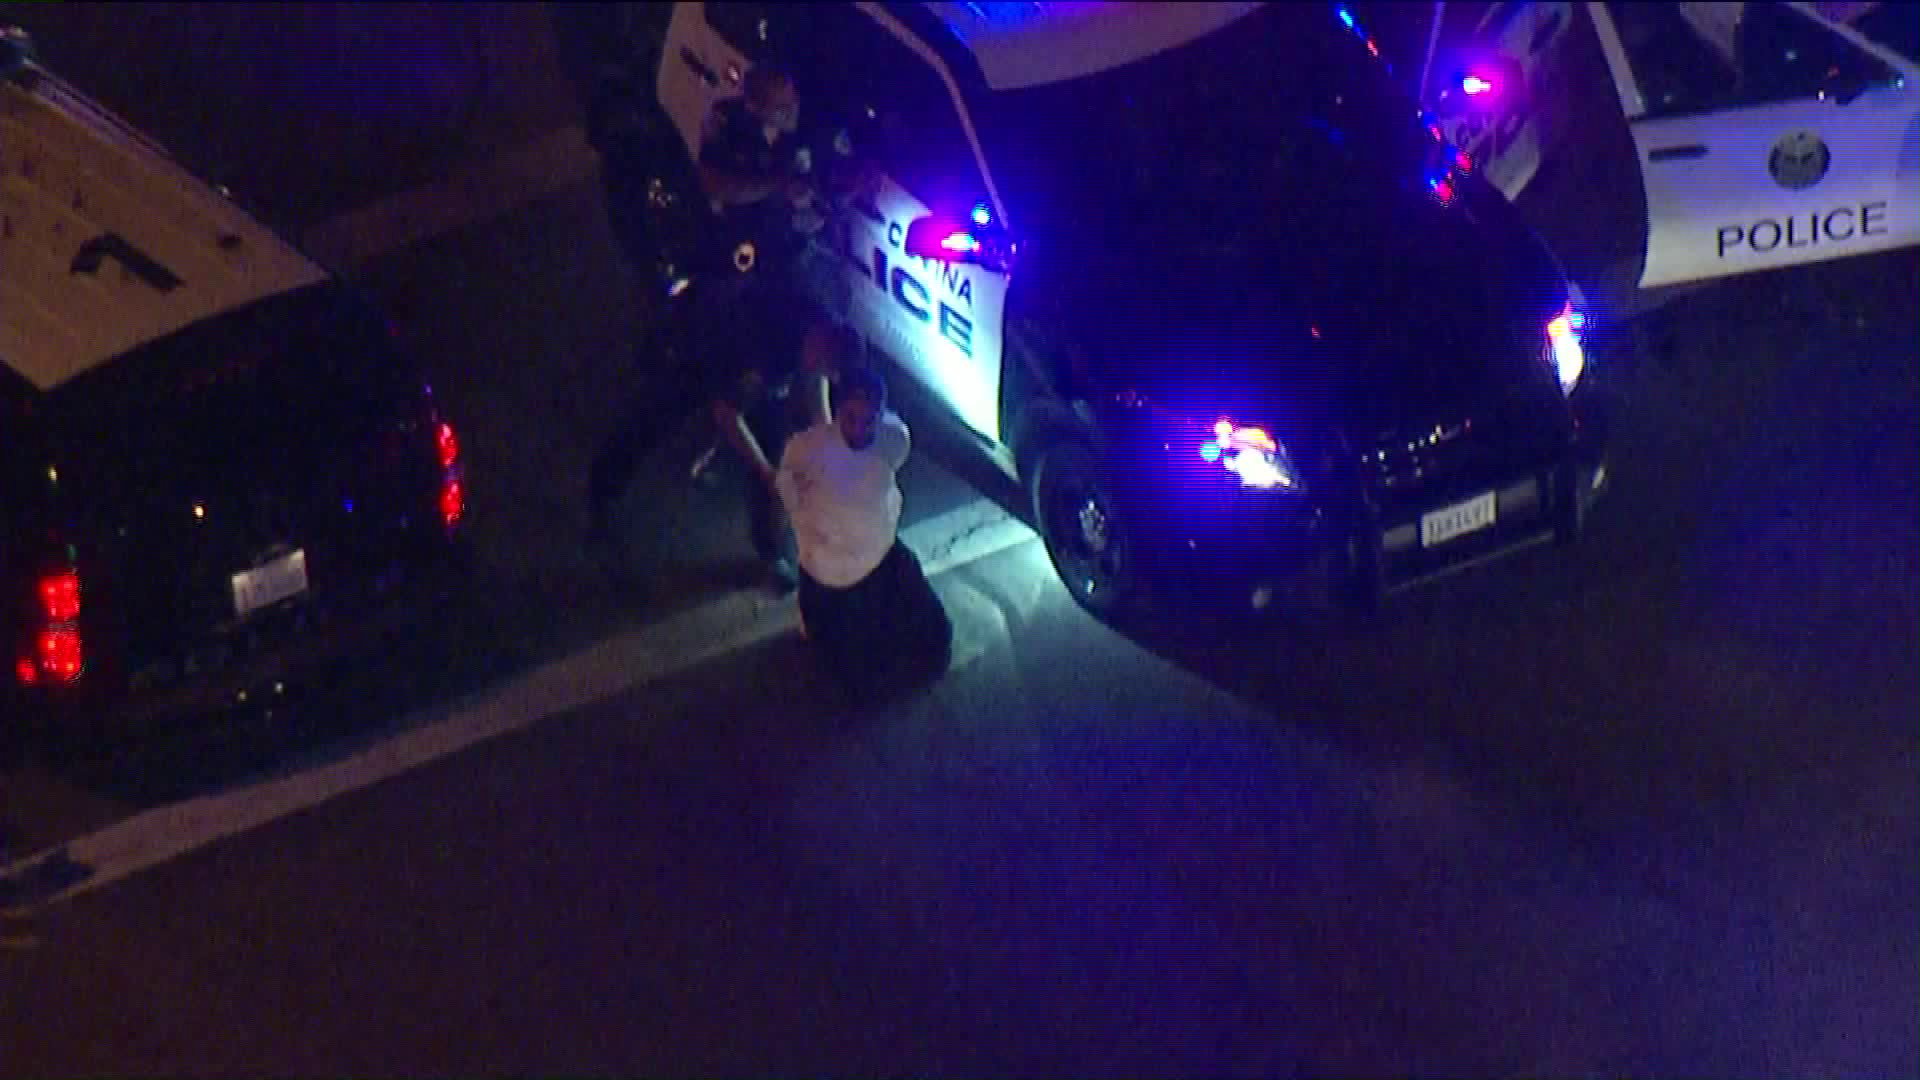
point(1085, 533)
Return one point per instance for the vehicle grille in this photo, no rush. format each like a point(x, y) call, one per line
point(1513, 433)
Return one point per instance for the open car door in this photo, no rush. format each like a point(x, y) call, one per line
point(1499, 93)
point(1766, 136)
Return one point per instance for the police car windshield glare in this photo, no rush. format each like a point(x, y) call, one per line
point(1282, 112)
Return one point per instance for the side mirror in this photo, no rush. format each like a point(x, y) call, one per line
point(947, 240)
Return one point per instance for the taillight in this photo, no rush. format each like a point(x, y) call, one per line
point(57, 649)
point(453, 502)
point(453, 497)
point(59, 655)
point(60, 596)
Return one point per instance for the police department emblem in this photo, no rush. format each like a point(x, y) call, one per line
point(1799, 160)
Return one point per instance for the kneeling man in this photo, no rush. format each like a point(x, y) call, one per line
point(864, 599)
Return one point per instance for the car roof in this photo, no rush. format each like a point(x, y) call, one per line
point(82, 195)
point(1031, 43)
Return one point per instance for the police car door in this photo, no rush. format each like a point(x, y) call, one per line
point(1765, 138)
point(940, 322)
point(1506, 128)
point(699, 66)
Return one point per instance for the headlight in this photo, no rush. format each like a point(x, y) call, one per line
point(1563, 342)
point(1253, 455)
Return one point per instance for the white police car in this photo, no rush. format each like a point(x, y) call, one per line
point(1237, 319)
point(1712, 138)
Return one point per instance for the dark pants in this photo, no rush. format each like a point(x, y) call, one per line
point(885, 634)
point(692, 339)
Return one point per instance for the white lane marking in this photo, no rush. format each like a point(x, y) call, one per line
point(147, 839)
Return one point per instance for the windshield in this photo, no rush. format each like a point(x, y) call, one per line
point(1282, 112)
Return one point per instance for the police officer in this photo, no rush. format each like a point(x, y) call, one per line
point(773, 184)
point(759, 169)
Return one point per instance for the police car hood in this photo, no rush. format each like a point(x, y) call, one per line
point(1376, 312)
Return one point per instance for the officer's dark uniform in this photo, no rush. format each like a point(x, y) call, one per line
point(777, 294)
point(752, 335)
point(745, 343)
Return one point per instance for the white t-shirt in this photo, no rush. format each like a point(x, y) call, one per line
point(844, 503)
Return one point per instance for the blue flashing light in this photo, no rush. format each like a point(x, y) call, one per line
point(1345, 16)
point(982, 215)
point(1210, 451)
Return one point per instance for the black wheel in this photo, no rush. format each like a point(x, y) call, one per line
point(1086, 536)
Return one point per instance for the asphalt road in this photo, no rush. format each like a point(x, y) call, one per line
point(1644, 806)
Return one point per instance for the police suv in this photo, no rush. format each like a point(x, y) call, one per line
point(1662, 144)
point(1199, 274)
point(219, 469)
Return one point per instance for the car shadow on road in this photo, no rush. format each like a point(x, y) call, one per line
point(449, 654)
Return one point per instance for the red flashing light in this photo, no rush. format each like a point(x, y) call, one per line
point(60, 596)
point(453, 502)
point(1443, 189)
point(449, 445)
point(960, 241)
point(1462, 159)
point(1474, 84)
point(1565, 323)
point(26, 672)
point(60, 655)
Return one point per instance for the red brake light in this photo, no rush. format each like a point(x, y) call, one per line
point(59, 654)
point(449, 445)
point(60, 596)
point(25, 670)
point(453, 503)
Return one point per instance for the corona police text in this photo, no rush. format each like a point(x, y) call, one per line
point(1806, 230)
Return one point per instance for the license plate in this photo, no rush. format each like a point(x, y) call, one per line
point(1459, 519)
point(270, 582)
